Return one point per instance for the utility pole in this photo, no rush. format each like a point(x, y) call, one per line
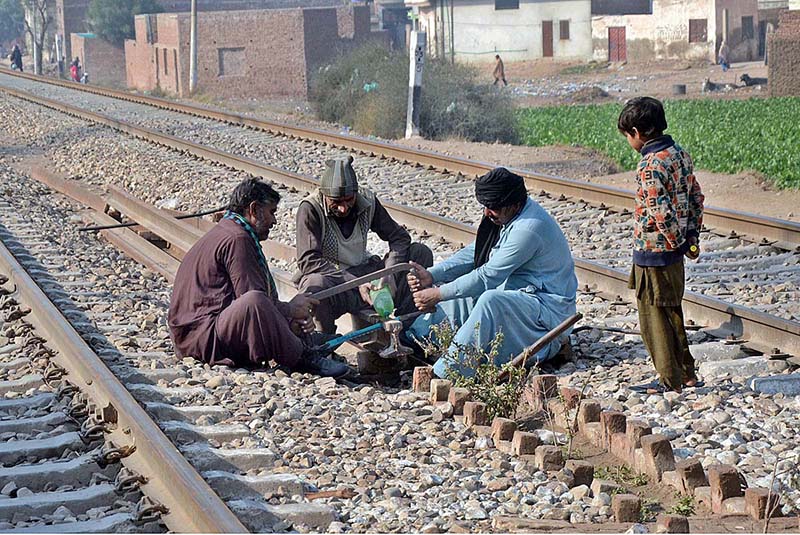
point(193, 50)
point(36, 51)
point(416, 50)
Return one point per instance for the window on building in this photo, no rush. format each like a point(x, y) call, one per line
point(506, 4)
point(622, 7)
point(747, 28)
point(165, 62)
point(698, 30)
point(232, 61)
point(563, 29)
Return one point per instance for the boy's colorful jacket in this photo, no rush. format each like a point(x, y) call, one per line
point(669, 204)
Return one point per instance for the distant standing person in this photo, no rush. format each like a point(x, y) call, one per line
point(722, 56)
point(16, 58)
point(499, 71)
point(75, 70)
point(666, 226)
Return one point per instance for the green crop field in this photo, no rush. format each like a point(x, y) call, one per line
point(726, 136)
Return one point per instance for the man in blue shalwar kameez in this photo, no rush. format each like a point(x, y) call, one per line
point(517, 278)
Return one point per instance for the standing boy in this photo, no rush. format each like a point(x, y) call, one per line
point(667, 221)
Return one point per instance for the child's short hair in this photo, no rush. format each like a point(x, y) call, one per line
point(646, 114)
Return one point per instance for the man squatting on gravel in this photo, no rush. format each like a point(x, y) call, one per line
point(332, 228)
point(517, 278)
point(666, 226)
point(225, 307)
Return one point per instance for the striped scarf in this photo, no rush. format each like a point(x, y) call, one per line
point(262, 260)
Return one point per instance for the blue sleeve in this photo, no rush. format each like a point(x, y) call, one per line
point(518, 247)
point(457, 265)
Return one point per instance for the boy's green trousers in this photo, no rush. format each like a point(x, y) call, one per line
point(659, 292)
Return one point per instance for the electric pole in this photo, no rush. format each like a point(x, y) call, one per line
point(193, 50)
point(416, 62)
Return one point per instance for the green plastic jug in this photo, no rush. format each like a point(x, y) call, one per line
point(382, 300)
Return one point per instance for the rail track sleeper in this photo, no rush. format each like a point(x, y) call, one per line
point(78, 471)
point(44, 503)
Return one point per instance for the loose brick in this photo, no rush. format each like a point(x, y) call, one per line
point(503, 429)
point(756, 503)
point(724, 482)
point(589, 411)
point(620, 446)
point(626, 507)
point(583, 471)
point(672, 524)
point(422, 378)
point(636, 429)
point(571, 396)
point(457, 398)
point(524, 443)
point(734, 506)
point(658, 456)
point(475, 414)
point(691, 474)
point(702, 495)
point(440, 390)
point(611, 422)
point(604, 485)
point(549, 458)
point(545, 386)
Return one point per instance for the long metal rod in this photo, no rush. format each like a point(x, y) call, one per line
point(133, 224)
point(193, 505)
point(750, 224)
point(764, 330)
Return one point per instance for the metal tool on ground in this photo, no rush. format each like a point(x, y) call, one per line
point(526, 357)
point(395, 349)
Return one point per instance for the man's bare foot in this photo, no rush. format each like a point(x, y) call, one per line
point(691, 383)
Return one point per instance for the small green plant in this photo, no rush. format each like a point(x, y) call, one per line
point(501, 398)
point(622, 475)
point(684, 506)
point(648, 511)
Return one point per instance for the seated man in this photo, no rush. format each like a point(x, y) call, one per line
point(225, 307)
point(517, 278)
point(332, 228)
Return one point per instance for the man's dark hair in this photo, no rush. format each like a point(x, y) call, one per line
point(645, 114)
point(251, 190)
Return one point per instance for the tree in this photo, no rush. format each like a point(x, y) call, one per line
point(37, 19)
point(113, 19)
point(12, 20)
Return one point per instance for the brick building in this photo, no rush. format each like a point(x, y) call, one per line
point(234, 57)
point(104, 62)
point(784, 56)
point(71, 14)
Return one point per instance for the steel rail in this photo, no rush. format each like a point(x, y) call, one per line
point(763, 330)
point(750, 224)
point(193, 505)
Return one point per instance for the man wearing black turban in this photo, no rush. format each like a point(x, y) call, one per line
point(517, 278)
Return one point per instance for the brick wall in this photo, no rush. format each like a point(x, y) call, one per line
point(104, 62)
point(784, 56)
point(70, 18)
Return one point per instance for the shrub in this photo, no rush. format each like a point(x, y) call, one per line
point(367, 88)
point(501, 399)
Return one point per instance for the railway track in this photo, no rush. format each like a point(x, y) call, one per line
point(733, 269)
point(260, 447)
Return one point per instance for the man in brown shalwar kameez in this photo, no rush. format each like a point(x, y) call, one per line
point(333, 224)
point(225, 307)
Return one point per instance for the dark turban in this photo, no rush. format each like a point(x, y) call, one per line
point(496, 189)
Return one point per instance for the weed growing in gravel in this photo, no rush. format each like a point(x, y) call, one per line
point(501, 399)
point(648, 511)
point(622, 475)
point(685, 505)
point(727, 136)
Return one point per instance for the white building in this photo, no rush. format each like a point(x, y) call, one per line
point(641, 30)
point(477, 30)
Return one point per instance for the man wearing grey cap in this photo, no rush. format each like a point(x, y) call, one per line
point(333, 224)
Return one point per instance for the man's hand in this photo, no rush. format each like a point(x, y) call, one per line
point(363, 290)
point(694, 249)
point(426, 300)
point(301, 326)
point(367, 287)
point(419, 278)
point(301, 306)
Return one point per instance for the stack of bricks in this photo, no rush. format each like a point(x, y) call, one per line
point(783, 52)
point(631, 440)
